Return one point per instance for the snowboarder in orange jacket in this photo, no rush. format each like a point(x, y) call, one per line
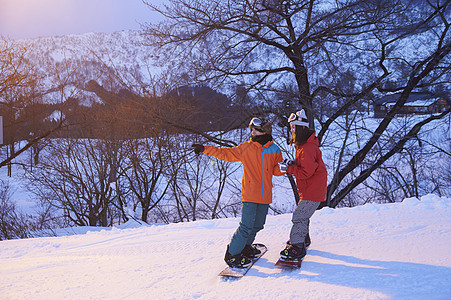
point(260, 158)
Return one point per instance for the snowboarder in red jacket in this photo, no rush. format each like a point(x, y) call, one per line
point(311, 181)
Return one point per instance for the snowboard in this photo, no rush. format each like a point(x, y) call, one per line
point(240, 272)
point(288, 264)
point(293, 264)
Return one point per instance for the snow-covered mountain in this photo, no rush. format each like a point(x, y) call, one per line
point(123, 48)
point(385, 251)
point(116, 60)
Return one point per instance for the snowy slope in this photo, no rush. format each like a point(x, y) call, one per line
point(386, 251)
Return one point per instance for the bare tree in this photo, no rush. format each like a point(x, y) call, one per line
point(314, 45)
point(197, 185)
point(20, 89)
point(77, 177)
point(222, 173)
point(13, 223)
point(145, 171)
point(420, 167)
point(189, 182)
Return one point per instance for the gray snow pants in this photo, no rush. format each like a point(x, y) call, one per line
point(301, 221)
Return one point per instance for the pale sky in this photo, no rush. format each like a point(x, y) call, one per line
point(20, 19)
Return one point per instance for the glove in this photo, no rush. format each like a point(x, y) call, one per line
point(283, 166)
point(288, 161)
point(198, 148)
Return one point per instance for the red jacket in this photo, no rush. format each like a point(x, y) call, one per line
point(310, 171)
point(260, 163)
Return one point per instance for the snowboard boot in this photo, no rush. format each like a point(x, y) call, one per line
point(250, 252)
point(307, 241)
point(293, 252)
point(236, 261)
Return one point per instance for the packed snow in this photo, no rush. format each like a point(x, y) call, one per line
point(374, 251)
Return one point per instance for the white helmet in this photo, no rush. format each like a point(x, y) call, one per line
point(299, 118)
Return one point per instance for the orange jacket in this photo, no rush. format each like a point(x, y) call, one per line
point(260, 163)
point(310, 171)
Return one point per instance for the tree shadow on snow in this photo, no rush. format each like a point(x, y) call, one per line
point(394, 278)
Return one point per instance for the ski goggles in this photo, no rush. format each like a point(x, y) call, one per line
point(298, 118)
point(293, 117)
point(255, 122)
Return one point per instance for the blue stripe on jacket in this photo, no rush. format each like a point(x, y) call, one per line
point(273, 148)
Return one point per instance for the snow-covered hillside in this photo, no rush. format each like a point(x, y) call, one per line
point(122, 48)
point(71, 61)
point(385, 251)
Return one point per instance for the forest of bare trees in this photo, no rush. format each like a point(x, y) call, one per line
point(129, 156)
point(333, 54)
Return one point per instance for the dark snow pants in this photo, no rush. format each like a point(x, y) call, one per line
point(253, 218)
point(301, 221)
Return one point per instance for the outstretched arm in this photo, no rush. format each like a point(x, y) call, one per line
point(232, 154)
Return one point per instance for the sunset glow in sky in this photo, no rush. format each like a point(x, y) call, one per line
point(21, 19)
